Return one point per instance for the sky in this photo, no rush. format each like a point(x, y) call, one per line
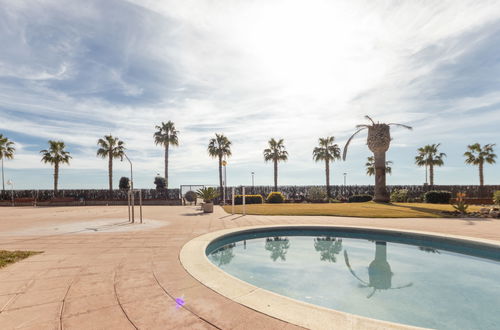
point(292, 69)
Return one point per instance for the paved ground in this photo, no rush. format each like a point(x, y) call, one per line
point(97, 272)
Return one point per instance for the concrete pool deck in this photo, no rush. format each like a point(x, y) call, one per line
point(127, 279)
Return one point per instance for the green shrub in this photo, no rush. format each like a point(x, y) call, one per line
point(359, 198)
point(208, 194)
point(316, 194)
point(399, 196)
point(437, 197)
point(249, 199)
point(460, 204)
point(333, 200)
point(496, 197)
point(190, 196)
point(124, 183)
point(275, 197)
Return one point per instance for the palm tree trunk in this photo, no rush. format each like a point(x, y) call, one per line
point(3, 181)
point(327, 170)
point(431, 174)
point(56, 177)
point(166, 166)
point(426, 174)
point(110, 174)
point(481, 175)
point(275, 175)
point(381, 193)
point(220, 178)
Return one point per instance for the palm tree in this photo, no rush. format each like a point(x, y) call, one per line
point(370, 166)
point(379, 141)
point(220, 147)
point(477, 155)
point(275, 153)
point(166, 136)
point(7, 150)
point(56, 155)
point(428, 156)
point(110, 147)
point(328, 152)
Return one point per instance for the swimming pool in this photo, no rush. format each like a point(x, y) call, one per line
point(403, 278)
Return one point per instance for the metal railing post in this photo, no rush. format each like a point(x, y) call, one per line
point(140, 203)
point(232, 199)
point(244, 207)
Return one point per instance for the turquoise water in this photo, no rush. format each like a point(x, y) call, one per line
point(427, 284)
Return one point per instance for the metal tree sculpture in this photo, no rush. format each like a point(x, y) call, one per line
point(379, 141)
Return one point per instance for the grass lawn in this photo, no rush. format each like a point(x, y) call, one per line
point(9, 257)
point(363, 210)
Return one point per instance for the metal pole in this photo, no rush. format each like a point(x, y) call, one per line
point(133, 205)
point(244, 210)
point(345, 175)
point(225, 185)
point(131, 186)
point(253, 183)
point(13, 200)
point(232, 200)
point(140, 202)
point(128, 204)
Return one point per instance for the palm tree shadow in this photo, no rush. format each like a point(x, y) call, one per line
point(470, 221)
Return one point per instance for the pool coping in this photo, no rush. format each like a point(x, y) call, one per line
point(193, 258)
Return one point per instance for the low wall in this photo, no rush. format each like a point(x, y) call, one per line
point(414, 191)
point(90, 194)
point(91, 203)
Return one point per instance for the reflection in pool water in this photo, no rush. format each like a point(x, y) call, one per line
point(379, 271)
point(411, 284)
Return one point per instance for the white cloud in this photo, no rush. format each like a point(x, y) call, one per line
point(253, 70)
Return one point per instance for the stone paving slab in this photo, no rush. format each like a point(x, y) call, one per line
point(129, 279)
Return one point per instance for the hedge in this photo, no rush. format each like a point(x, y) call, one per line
point(249, 199)
point(275, 197)
point(437, 197)
point(360, 198)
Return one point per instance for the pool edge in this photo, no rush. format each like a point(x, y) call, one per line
point(196, 263)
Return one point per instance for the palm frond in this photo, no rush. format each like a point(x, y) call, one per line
point(349, 141)
point(370, 119)
point(401, 125)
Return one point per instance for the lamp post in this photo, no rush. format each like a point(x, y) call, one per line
point(345, 176)
point(224, 164)
point(131, 187)
point(10, 183)
point(253, 183)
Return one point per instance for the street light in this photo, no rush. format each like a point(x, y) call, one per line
point(224, 163)
point(345, 176)
point(11, 183)
point(253, 183)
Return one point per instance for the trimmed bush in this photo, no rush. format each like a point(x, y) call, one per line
point(316, 194)
point(249, 199)
point(190, 196)
point(124, 183)
point(437, 197)
point(399, 196)
point(360, 198)
point(275, 197)
point(160, 182)
point(496, 197)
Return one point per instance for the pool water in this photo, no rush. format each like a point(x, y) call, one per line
point(380, 277)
